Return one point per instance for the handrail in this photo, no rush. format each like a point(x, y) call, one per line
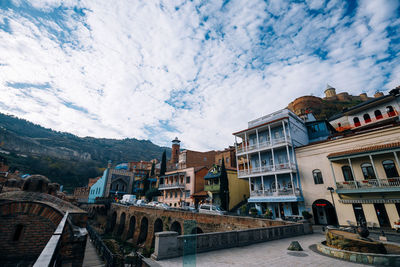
point(107, 255)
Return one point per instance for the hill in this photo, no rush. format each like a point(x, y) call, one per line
point(63, 157)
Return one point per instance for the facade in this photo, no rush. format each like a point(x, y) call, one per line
point(266, 159)
point(238, 188)
point(378, 110)
point(81, 194)
point(229, 156)
point(361, 170)
point(177, 187)
point(190, 158)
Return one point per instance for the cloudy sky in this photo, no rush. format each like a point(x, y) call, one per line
point(199, 70)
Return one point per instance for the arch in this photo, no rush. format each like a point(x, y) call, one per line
point(368, 171)
point(158, 227)
point(390, 111)
point(317, 175)
point(121, 225)
point(176, 227)
point(131, 230)
point(378, 114)
point(197, 230)
point(324, 212)
point(367, 118)
point(356, 121)
point(113, 221)
point(144, 225)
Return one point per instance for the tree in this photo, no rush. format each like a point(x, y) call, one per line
point(163, 168)
point(146, 184)
point(153, 169)
point(153, 192)
point(224, 187)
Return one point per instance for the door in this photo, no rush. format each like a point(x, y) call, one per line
point(281, 210)
point(359, 213)
point(382, 215)
point(321, 215)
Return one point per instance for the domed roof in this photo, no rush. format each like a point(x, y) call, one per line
point(36, 183)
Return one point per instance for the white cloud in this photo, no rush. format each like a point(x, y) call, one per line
point(195, 70)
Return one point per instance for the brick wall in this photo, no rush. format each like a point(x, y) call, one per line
point(196, 159)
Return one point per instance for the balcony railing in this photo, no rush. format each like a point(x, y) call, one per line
point(274, 193)
point(266, 169)
point(262, 145)
point(369, 184)
point(212, 188)
point(170, 186)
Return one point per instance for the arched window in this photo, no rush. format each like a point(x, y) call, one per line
point(390, 169)
point(390, 111)
point(317, 177)
point(378, 114)
point(356, 122)
point(368, 171)
point(347, 174)
point(367, 118)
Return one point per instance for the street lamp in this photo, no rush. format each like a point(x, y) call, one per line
point(331, 190)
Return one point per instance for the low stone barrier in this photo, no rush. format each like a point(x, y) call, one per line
point(171, 245)
point(360, 257)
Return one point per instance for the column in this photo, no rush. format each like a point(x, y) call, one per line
point(250, 186)
point(333, 172)
point(237, 161)
point(291, 180)
point(262, 183)
point(270, 136)
point(375, 172)
point(287, 147)
point(397, 159)
point(258, 140)
point(352, 172)
point(247, 154)
point(276, 184)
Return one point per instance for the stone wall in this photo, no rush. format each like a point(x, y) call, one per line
point(170, 244)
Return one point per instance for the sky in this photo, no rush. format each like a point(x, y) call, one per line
point(198, 70)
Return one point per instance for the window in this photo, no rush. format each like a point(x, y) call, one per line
point(390, 111)
point(187, 193)
point(227, 160)
point(378, 114)
point(205, 159)
point(181, 194)
point(390, 169)
point(176, 194)
point(220, 161)
point(317, 177)
point(347, 174)
point(18, 232)
point(170, 194)
point(368, 171)
point(356, 122)
point(188, 179)
point(367, 118)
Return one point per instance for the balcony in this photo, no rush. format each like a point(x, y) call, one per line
point(212, 188)
point(267, 170)
point(369, 186)
point(171, 186)
point(262, 146)
point(282, 195)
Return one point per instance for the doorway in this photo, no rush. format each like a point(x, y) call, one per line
point(359, 213)
point(382, 215)
point(324, 212)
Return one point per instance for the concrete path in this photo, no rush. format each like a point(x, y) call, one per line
point(91, 259)
point(272, 253)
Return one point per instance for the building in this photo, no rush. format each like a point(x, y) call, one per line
point(353, 177)
point(266, 159)
point(378, 110)
point(81, 194)
point(178, 187)
point(229, 156)
point(238, 188)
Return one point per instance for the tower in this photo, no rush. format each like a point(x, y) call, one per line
point(175, 150)
point(330, 91)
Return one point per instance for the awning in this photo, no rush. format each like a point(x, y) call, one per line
point(369, 201)
point(364, 150)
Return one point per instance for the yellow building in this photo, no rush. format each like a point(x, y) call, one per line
point(362, 172)
point(238, 189)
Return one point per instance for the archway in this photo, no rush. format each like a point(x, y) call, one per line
point(112, 222)
point(144, 225)
point(121, 224)
point(196, 230)
point(324, 212)
point(131, 230)
point(158, 227)
point(176, 227)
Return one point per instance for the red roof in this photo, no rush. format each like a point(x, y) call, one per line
point(365, 150)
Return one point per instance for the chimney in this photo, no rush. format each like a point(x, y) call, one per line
point(176, 147)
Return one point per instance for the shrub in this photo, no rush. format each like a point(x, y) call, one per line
point(306, 215)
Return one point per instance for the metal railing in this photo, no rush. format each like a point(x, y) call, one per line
point(106, 254)
point(267, 144)
point(173, 185)
point(274, 193)
point(370, 183)
point(267, 168)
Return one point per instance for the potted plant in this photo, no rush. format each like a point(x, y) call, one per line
point(253, 211)
point(306, 215)
point(268, 214)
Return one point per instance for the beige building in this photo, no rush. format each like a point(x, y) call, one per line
point(363, 170)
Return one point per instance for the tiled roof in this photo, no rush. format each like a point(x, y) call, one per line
point(364, 150)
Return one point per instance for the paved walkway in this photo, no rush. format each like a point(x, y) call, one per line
point(91, 259)
point(272, 253)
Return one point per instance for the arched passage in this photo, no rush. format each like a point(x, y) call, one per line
point(158, 227)
point(144, 225)
point(131, 230)
point(196, 230)
point(324, 212)
point(112, 222)
point(121, 224)
point(176, 227)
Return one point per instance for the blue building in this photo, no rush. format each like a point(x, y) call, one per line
point(266, 158)
point(98, 189)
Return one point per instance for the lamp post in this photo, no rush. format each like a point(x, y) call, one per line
point(331, 190)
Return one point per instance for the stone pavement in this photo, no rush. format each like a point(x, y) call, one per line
point(272, 253)
point(91, 259)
